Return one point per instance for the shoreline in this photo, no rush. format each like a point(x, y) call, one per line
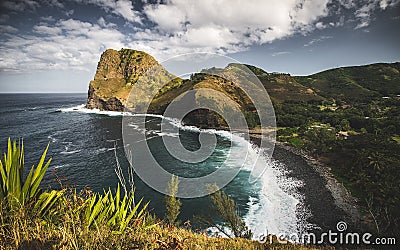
point(325, 197)
point(328, 200)
point(342, 196)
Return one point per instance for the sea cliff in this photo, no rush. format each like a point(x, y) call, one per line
point(116, 72)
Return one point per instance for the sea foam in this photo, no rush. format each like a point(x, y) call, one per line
point(275, 208)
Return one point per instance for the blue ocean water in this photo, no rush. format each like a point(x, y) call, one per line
point(82, 147)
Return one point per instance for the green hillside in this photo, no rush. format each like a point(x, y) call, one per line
point(199, 83)
point(284, 87)
point(355, 84)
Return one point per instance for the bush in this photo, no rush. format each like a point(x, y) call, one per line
point(224, 208)
point(17, 192)
point(172, 204)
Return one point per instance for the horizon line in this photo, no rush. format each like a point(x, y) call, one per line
point(43, 92)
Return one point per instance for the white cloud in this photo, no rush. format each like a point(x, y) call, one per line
point(48, 19)
point(383, 4)
point(68, 44)
point(123, 8)
point(317, 40)
point(102, 22)
point(230, 25)
point(365, 12)
point(8, 29)
point(320, 25)
point(309, 11)
point(43, 29)
point(280, 53)
point(168, 18)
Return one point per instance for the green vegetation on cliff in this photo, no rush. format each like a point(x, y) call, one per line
point(116, 72)
point(201, 83)
point(283, 87)
point(355, 84)
point(352, 125)
point(358, 142)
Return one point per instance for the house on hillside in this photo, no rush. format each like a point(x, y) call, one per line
point(342, 135)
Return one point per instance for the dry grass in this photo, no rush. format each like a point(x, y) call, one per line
point(67, 230)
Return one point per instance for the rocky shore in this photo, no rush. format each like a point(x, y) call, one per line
point(327, 199)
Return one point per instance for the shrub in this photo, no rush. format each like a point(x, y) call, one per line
point(112, 210)
point(224, 208)
point(172, 204)
point(17, 192)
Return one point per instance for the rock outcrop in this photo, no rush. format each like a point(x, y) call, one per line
point(116, 73)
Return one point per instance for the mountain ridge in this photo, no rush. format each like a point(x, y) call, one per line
point(118, 71)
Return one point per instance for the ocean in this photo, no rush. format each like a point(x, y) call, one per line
point(82, 146)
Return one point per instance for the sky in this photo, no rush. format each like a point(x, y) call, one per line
point(54, 45)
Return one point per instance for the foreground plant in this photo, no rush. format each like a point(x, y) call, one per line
point(16, 191)
point(114, 211)
point(224, 208)
point(23, 202)
point(172, 204)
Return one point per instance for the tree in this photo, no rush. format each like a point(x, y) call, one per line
point(344, 125)
point(321, 140)
point(225, 208)
point(172, 204)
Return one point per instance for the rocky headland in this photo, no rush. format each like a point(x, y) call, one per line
point(116, 72)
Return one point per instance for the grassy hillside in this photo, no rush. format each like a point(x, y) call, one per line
point(283, 87)
point(197, 83)
point(355, 84)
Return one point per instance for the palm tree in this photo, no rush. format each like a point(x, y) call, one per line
point(376, 160)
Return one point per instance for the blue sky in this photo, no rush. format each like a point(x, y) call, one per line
point(54, 45)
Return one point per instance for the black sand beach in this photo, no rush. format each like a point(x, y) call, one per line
point(327, 199)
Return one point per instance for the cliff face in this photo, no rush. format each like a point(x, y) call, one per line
point(116, 72)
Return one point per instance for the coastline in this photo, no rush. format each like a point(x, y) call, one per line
point(327, 199)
